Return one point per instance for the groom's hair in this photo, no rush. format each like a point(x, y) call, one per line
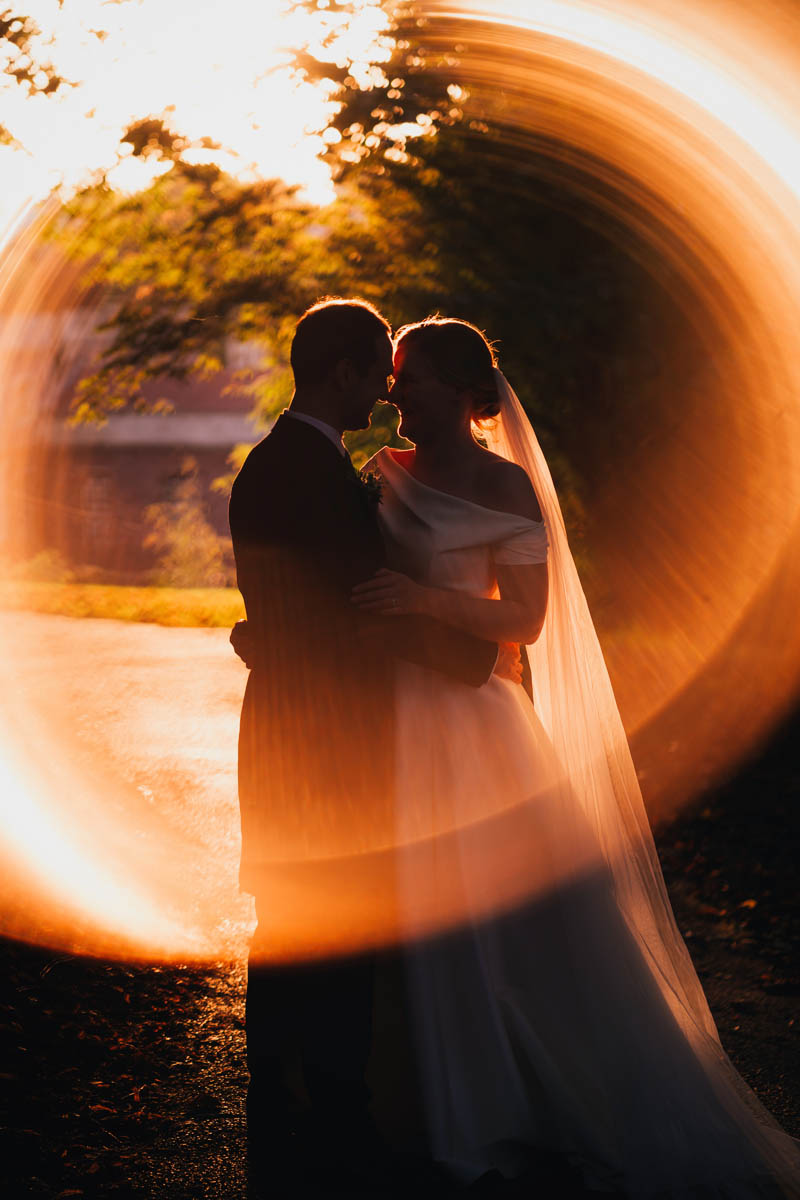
point(334, 329)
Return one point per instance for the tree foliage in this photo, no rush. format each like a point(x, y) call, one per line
point(413, 89)
point(20, 60)
point(199, 260)
point(438, 208)
point(520, 241)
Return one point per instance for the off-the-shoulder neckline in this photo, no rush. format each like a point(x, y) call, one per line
point(499, 512)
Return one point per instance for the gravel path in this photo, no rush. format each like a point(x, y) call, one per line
point(126, 734)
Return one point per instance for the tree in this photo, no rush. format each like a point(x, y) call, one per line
point(19, 60)
point(198, 259)
point(438, 208)
point(522, 242)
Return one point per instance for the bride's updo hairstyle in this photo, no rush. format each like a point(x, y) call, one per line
point(459, 355)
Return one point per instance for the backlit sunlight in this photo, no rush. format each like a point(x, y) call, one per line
point(684, 121)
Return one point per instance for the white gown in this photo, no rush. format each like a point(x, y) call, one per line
point(540, 1024)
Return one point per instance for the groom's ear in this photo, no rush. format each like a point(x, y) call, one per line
point(345, 374)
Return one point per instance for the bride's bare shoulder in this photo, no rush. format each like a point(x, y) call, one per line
point(507, 487)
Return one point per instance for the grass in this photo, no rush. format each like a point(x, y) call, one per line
point(154, 605)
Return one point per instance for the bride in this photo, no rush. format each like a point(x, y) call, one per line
point(559, 1012)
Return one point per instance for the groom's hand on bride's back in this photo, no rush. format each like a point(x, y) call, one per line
point(242, 642)
point(508, 665)
point(509, 662)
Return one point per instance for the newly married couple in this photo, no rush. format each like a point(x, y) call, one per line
point(400, 787)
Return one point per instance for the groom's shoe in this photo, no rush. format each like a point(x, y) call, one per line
point(277, 1154)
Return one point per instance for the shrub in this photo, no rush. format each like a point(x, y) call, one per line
point(190, 552)
point(48, 566)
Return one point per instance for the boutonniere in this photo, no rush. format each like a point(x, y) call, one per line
point(370, 486)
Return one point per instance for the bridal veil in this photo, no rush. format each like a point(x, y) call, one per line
point(575, 702)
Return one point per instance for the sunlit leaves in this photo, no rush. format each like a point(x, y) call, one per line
point(192, 262)
point(7, 138)
point(20, 59)
point(436, 210)
point(152, 136)
point(199, 262)
point(399, 94)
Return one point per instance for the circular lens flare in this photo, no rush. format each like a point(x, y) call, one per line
point(676, 126)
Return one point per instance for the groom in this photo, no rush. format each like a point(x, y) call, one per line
point(316, 734)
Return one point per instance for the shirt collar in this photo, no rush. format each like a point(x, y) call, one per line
point(332, 434)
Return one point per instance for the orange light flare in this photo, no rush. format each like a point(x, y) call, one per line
point(117, 811)
point(677, 124)
point(678, 128)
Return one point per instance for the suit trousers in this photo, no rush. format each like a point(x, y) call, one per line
point(315, 1016)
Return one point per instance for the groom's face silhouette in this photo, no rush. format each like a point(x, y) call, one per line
point(361, 389)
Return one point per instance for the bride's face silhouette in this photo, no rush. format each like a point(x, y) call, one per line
point(430, 409)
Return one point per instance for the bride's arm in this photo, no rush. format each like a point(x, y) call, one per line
point(516, 615)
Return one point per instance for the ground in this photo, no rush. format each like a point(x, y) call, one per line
point(126, 1078)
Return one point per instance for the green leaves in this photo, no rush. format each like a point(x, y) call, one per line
point(199, 264)
point(186, 267)
point(466, 219)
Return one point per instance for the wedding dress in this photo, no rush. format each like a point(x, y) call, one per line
point(554, 1006)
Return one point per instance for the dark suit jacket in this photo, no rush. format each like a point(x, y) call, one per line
point(316, 735)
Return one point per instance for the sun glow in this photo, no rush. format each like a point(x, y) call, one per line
point(683, 119)
point(220, 73)
point(74, 886)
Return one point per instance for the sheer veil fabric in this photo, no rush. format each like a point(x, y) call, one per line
point(575, 702)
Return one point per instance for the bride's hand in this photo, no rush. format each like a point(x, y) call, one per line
point(242, 642)
point(390, 593)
